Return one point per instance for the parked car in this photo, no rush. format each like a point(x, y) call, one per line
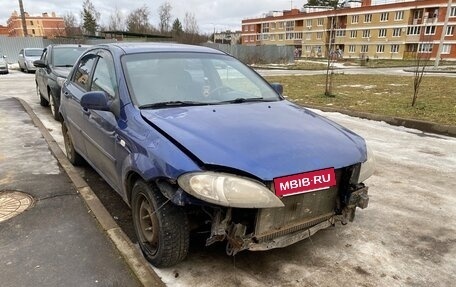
point(194, 140)
point(3, 65)
point(53, 67)
point(26, 58)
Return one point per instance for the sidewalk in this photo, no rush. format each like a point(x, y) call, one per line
point(56, 241)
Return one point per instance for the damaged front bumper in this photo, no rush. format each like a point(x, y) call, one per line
point(281, 227)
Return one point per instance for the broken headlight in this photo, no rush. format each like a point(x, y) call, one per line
point(228, 190)
point(367, 167)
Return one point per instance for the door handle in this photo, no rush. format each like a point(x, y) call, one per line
point(86, 111)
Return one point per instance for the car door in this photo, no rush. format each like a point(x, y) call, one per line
point(101, 126)
point(70, 105)
point(41, 74)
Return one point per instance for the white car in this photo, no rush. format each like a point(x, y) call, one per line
point(3, 65)
point(26, 58)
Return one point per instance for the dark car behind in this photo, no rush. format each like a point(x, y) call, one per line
point(53, 67)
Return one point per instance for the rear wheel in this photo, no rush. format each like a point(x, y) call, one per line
point(73, 156)
point(161, 227)
point(43, 101)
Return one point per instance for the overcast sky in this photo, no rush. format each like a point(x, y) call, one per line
point(210, 14)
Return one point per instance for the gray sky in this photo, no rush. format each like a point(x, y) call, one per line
point(210, 14)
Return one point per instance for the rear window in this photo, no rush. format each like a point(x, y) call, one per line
point(33, 52)
point(66, 56)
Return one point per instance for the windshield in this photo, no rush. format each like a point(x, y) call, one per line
point(33, 52)
point(66, 56)
point(173, 79)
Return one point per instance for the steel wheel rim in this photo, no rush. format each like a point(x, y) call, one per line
point(68, 145)
point(147, 225)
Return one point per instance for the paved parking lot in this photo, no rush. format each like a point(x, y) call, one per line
point(406, 237)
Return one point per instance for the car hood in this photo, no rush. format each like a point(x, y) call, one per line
point(61, 71)
point(267, 140)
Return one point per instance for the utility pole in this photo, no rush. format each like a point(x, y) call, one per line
point(442, 36)
point(24, 23)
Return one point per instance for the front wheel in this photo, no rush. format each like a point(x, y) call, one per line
point(161, 227)
point(54, 107)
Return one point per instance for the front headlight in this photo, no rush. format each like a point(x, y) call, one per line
point(228, 190)
point(60, 81)
point(367, 167)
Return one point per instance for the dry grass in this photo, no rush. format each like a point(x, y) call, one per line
point(380, 94)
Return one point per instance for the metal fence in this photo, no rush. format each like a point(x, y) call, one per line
point(10, 46)
point(266, 54)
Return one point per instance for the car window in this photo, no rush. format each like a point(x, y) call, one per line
point(33, 52)
point(81, 75)
point(66, 56)
point(104, 75)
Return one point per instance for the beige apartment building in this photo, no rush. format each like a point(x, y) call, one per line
point(398, 30)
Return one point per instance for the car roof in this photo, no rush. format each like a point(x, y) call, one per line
point(132, 48)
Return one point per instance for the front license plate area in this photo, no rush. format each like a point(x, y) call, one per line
point(305, 182)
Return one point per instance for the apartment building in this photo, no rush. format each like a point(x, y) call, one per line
point(398, 30)
point(46, 25)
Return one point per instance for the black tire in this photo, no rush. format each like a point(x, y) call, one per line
point(73, 156)
point(26, 68)
point(43, 101)
point(54, 108)
point(161, 227)
point(20, 67)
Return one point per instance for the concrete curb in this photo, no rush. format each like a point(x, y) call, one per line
point(133, 257)
point(423, 126)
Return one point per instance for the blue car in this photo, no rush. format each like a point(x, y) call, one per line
point(195, 141)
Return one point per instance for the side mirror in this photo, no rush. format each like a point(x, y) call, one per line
point(39, 64)
point(278, 88)
point(95, 101)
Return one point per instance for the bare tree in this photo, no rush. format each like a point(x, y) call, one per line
point(422, 60)
point(138, 20)
point(116, 20)
point(164, 12)
point(190, 24)
point(72, 27)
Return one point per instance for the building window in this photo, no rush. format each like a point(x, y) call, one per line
point(366, 33)
point(353, 34)
point(245, 39)
point(280, 37)
point(319, 35)
point(320, 22)
point(258, 37)
point(265, 28)
point(252, 27)
point(395, 48)
point(446, 49)
point(396, 32)
point(380, 48)
point(290, 25)
point(340, 33)
point(425, 48)
point(308, 36)
point(453, 12)
point(399, 16)
point(252, 39)
point(355, 19)
point(417, 14)
point(280, 25)
point(33, 31)
point(413, 30)
point(351, 48)
point(265, 37)
point(273, 25)
point(430, 30)
point(272, 37)
point(382, 33)
point(449, 31)
point(384, 17)
point(245, 28)
point(298, 35)
point(309, 23)
point(367, 18)
point(31, 22)
point(364, 48)
point(289, 36)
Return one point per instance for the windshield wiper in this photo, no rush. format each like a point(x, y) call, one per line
point(172, 104)
point(243, 100)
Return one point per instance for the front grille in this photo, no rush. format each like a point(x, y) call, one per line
point(301, 211)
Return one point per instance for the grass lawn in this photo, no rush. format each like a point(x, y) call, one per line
point(378, 94)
